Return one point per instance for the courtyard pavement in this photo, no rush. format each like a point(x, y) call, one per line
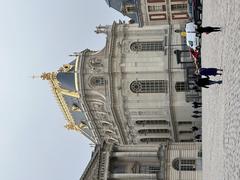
point(221, 103)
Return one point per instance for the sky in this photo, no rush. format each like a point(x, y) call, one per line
point(35, 37)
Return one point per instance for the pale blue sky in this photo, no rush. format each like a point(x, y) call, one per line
point(38, 36)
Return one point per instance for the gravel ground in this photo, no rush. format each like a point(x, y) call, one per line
point(221, 103)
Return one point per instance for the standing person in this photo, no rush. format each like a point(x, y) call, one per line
point(197, 112)
point(196, 105)
point(196, 116)
point(209, 71)
point(208, 29)
point(204, 82)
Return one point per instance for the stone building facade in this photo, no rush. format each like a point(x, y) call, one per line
point(133, 91)
point(174, 161)
point(152, 12)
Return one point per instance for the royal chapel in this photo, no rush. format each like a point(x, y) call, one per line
point(133, 98)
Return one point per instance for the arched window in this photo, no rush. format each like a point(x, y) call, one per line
point(97, 81)
point(184, 164)
point(181, 86)
point(149, 86)
point(150, 122)
point(147, 46)
point(153, 131)
point(185, 123)
point(150, 140)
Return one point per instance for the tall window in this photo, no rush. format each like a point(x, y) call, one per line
point(185, 132)
point(149, 122)
point(147, 46)
point(181, 86)
point(178, 7)
point(149, 86)
point(149, 140)
point(153, 131)
point(155, 8)
point(184, 164)
point(185, 123)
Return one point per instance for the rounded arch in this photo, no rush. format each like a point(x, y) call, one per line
point(175, 164)
point(184, 164)
point(135, 86)
point(136, 46)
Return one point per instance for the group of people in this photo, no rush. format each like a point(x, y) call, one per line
point(204, 81)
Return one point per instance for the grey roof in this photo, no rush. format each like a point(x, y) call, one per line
point(118, 4)
point(78, 116)
point(66, 80)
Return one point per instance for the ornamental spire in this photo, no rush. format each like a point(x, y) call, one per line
point(48, 76)
point(101, 29)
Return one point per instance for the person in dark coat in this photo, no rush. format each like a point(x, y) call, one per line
point(197, 112)
point(208, 29)
point(209, 71)
point(196, 116)
point(198, 136)
point(196, 106)
point(197, 103)
point(205, 82)
point(194, 128)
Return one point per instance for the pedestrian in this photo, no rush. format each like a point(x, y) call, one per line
point(194, 128)
point(208, 29)
point(205, 82)
point(196, 116)
point(209, 71)
point(196, 106)
point(197, 103)
point(197, 112)
point(198, 136)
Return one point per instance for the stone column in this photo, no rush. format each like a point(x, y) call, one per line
point(136, 156)
point(131, 176)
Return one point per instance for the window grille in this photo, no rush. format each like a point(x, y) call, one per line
point(184, 164)
point(149, 122)
point(147, 46)
point(153, 131)
point(149, 86)
point(181, 86)
point(178, 7)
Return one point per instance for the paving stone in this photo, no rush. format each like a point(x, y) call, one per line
point(221, 103)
